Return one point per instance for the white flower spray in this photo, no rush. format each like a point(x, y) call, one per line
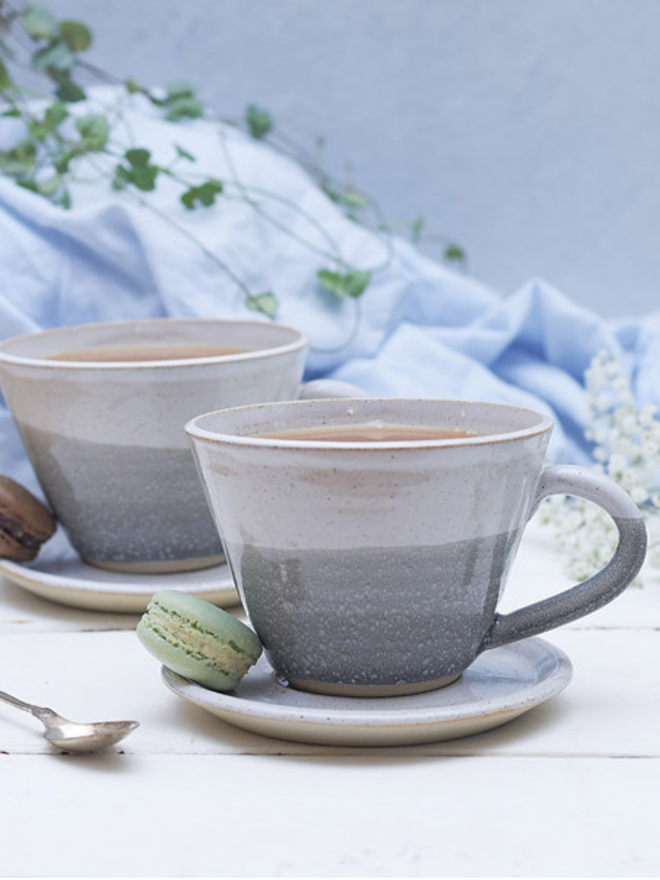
point(626, 442)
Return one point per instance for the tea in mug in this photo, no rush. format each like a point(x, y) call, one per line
point(145, 352)
point(372, 432)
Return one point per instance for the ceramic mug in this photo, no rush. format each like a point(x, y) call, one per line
point(106, 438)
point(375, 568)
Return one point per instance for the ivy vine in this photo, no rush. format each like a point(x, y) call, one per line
point(47, 157)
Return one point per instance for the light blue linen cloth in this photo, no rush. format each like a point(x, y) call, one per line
point(422, 330)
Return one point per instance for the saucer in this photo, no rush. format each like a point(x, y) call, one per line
point(58, 574)
point(499, 686)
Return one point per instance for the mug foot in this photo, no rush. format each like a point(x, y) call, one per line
point(371, 690)
point(157, 566)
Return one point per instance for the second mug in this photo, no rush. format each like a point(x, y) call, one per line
point(101, 409)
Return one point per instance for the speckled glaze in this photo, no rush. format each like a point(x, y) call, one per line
point(106, 439)
point(499, 686)
point(375, 569)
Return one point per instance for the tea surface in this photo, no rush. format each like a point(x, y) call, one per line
point(372, 432)
point(183, 351)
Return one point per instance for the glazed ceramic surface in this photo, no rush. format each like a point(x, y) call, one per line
point(497, 688)
point(59, 575)
point(106, 439)
point(376, 568)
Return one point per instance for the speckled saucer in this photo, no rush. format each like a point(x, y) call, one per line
point(58, 574)
point(499, 686)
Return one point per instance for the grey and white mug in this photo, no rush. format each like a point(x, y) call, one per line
point(105, 432)
point(376, 567)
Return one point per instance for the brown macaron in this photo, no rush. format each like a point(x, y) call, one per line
point(25, 523)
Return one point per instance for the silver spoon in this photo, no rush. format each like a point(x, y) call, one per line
point(70, 735)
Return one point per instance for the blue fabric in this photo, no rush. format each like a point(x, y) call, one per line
point(420, 330)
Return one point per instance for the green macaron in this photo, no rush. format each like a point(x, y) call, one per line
point(198, 640)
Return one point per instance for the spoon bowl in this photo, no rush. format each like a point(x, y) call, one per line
point(72, 736)
point(79, 737)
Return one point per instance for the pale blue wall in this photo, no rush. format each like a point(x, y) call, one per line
point(527, 129)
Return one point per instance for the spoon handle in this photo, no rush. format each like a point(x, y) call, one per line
point(37, 711)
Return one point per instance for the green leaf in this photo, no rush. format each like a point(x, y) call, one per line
point(416, 228)
point(138, 157)
point(13, 112)
point(6, 81)
point(184, 154)
point(133, 86)
point(266, 303)
point(205, 193)
point(179, 90)
point(40, 23)
point(354, 199)
point(76, 35)
point(94, 131)
point(51, 189)
point(141, 173)
point(41, 129)
point(55, 114)
point(20, 159)
point(46, 188)
point(68, 91)
point(144, 177)
point(62, 162)
point(342, 284)
point(333, 194)
point(122, 178)
point(184, 108)
point(259, 122)
point(55, 57)
point(454, 254)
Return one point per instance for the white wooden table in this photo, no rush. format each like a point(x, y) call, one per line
point(572, 788)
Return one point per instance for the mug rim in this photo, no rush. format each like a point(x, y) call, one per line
point(194, 430)
point(300, 342)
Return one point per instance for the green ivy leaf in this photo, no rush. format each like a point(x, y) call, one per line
point(133, 87)
point(40, 23)
point(62, 162)
point(355, 200)
point(342, 284)
point(94, 131)
point(67, 91)
point(184, 108)
point(55, 114)
point(46, 188)
point(141, 172)
point(20, 159)
point(41, 129)
point(56, 57)
point(266, 303)
point(76, 35)
point(184, 154)
point(52, 189)
point(138, 157)
point(205, 193)
point(416, 228)
point(333, 194)
point(6, 81)
point(259, 122)
point(454, 254)
point(177, 90)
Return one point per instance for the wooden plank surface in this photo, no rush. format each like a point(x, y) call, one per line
point(569, 789)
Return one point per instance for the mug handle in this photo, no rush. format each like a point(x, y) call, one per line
point(326, 389)
point(598, 590)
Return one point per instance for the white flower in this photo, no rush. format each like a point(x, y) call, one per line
point(626, 442)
